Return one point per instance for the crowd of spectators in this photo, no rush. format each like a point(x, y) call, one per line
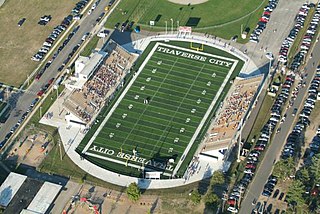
point(234, 109)
point(92, 96)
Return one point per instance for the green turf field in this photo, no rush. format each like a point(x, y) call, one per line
point(164, 109)
point(217, 17)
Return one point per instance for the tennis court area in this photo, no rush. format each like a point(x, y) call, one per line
point(160, 113)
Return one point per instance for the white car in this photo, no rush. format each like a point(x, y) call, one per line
point(232, 209)
point(103, 33)
point(77, 17)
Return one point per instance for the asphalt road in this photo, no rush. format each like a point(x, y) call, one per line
point(279, 139)
point(20, 102)
point(281, 20)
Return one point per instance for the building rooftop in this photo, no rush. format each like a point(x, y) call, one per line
point(24, 196)
point(44, 198)
point(10, 187)
point(91, 63)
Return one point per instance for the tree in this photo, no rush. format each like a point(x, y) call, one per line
point(295, 193)
point(284, 168)
point(211, 199)
point(133, 192)
point(303, 175)
point(217, 178)
point(315, 169)
point(195, 197)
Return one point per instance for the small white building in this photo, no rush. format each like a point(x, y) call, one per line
point(10, 187)
point(84, 68)
point(43, 200)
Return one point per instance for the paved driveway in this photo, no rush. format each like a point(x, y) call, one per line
point(23, 100)
point(279, 140)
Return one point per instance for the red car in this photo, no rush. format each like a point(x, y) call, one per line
point(250, 166)
point(263, 20)
point(40, 93)
point(50, 81)
point(231, 202)
point(259, 147)
point(38, 76)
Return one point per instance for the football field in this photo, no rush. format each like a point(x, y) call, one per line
point(160, 113)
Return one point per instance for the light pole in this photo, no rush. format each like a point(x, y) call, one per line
point(60, 150)
point(171, 25)
point(40, 112)
point(239, 148)
point(166, 26)
point(239, 141)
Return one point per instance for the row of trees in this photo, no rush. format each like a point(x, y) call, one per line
point(307, 179)
point(210, 198)
point(283, 169)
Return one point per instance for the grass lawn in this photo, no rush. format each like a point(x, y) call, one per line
point(46, 105)
point(296, 44)
point(18, 44)
point(262, 117)
point(92, 44)
point(65, 167)
point(180, 91)
point(209, 15)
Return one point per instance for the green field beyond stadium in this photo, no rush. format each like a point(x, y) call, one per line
point(158, 116)
point(217, 17)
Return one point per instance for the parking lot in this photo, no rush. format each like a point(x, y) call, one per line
point(18, 44)
point(308, 37)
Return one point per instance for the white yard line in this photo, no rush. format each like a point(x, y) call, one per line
point(172, 66)
point(205, 117)
point(182, 103)
point(176, 96)
point(157, 119)
point(235, 62)
point(119, 99)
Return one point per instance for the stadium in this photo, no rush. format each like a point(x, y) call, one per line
point(157, 120)
point(163, 108)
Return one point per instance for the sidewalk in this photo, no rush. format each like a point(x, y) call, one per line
point(72, 136)
point(249, 68)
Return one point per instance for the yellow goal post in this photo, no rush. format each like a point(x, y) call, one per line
point(198, 47)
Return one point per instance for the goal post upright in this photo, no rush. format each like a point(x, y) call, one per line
point(196, 48)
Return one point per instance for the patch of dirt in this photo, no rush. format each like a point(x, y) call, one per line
point(30, 149)
point(111, 201)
